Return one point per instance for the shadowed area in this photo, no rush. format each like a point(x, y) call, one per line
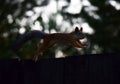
point(85, 69)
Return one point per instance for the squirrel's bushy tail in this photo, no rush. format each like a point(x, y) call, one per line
point(26, 37)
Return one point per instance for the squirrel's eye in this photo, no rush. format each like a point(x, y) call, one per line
point(81, 35)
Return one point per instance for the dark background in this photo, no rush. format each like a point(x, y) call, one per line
point(93, 67)
point(105, 39)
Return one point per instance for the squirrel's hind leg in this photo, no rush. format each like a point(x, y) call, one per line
point(42, 48)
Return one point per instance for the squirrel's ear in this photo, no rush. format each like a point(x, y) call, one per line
point(81, 29)
point(76, 29)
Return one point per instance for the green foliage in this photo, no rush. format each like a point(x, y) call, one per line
point(104, 40)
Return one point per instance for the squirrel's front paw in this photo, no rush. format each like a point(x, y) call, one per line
point(35, 58)
point(86, 44)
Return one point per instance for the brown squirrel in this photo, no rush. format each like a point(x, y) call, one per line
point(49, 40)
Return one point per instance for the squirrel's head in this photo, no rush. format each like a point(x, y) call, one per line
point(79, 33)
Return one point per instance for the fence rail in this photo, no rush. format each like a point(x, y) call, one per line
point(85, 69)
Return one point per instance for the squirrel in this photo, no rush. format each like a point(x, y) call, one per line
point(49, 40)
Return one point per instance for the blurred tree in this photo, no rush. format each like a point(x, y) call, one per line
point(19, 16)
point(107, 27)
point(10, 14)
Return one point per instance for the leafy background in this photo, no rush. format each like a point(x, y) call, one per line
point(100, 17)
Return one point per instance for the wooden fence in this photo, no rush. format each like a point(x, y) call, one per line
point(85, 69)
